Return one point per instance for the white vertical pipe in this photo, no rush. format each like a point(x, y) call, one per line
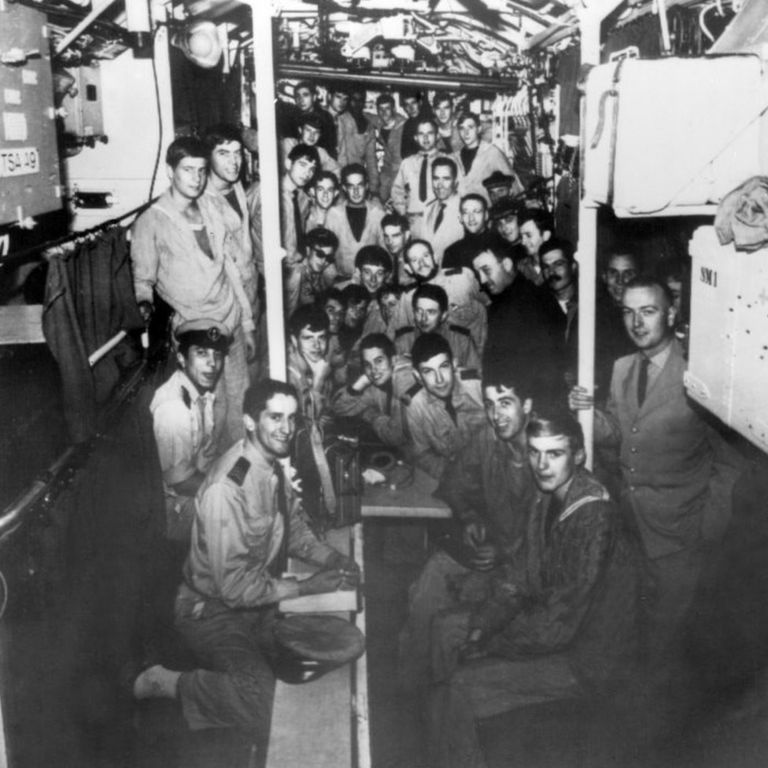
point(589, 27)
point(270, 184)
point(591, 18)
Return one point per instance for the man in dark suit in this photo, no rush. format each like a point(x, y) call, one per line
point(520, 326)
point(677, 475)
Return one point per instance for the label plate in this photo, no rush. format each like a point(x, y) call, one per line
point(20, 161)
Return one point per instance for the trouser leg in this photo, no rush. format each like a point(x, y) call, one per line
point(468, 692)
point(236, 687)
point(235, 381)
point(428, 595)
point(676, 578)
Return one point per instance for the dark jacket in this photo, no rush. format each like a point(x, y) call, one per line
point(576, 591)
point(461, 253)
point(523, 328)
point(491, 483)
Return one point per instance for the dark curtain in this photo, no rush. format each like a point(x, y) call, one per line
point(88, 299)
point(203, 97)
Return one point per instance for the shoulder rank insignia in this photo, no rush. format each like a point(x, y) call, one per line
point(451, 271)
point(185, 397)
point(410, 392)
point(459, 329)
point(239, 470)
point(469, 373)
point(402, 331)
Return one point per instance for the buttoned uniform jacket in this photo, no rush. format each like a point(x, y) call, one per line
point(489, 158)
point(391, 159)
point(466, 305)
point(356, 147)
point(449, 231)
point(312, 285)
point(348, 245)
point(188, 428)
point(405, 188)
point(677, 471)
point(463, 349)
point(382, 410)
point(167, 258)
point(327, 163)
point(490, 482)
point(238, 532)
point(238, 244)
point(435, 438)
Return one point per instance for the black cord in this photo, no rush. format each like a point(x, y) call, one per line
point(159, 119)
point(24, 255)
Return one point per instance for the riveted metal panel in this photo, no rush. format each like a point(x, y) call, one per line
point(29, 162)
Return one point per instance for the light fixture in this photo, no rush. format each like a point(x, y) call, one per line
point(199, 42)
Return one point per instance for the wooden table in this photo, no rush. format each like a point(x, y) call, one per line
point(412, 498)
point(324, 723)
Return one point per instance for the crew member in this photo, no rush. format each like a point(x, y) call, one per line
point(247, 521)
point(178, 250)
point(445, 405)
point(561, 621)
point(378, 394)
point(188, 419)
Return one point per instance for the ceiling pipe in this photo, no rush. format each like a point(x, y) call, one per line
point(434, 81)
point(71, 36)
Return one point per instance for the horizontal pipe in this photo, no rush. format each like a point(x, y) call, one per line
point(437, 81)
point(94, 357)
point(73, 34)
point(15, 513)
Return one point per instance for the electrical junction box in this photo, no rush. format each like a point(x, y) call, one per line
point(29, 162)
point(83, 114)
point(728, 354)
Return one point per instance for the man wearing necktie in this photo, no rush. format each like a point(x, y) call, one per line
point(441, 224)
point(188, 418)
point(676, 469)
point(301, 166)
point(247, 519)
point(412, 188)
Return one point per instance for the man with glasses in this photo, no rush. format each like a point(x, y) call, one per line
point(317, 272)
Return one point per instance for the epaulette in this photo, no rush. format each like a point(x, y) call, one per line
point(451, 271)
point(410, 393)
point(239, 470)
point(469, 373)
point(186, 398)
point(405, 329)
point(459, 329)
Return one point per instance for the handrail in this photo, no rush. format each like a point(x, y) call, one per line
point(16, 512)
point(13, 515)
